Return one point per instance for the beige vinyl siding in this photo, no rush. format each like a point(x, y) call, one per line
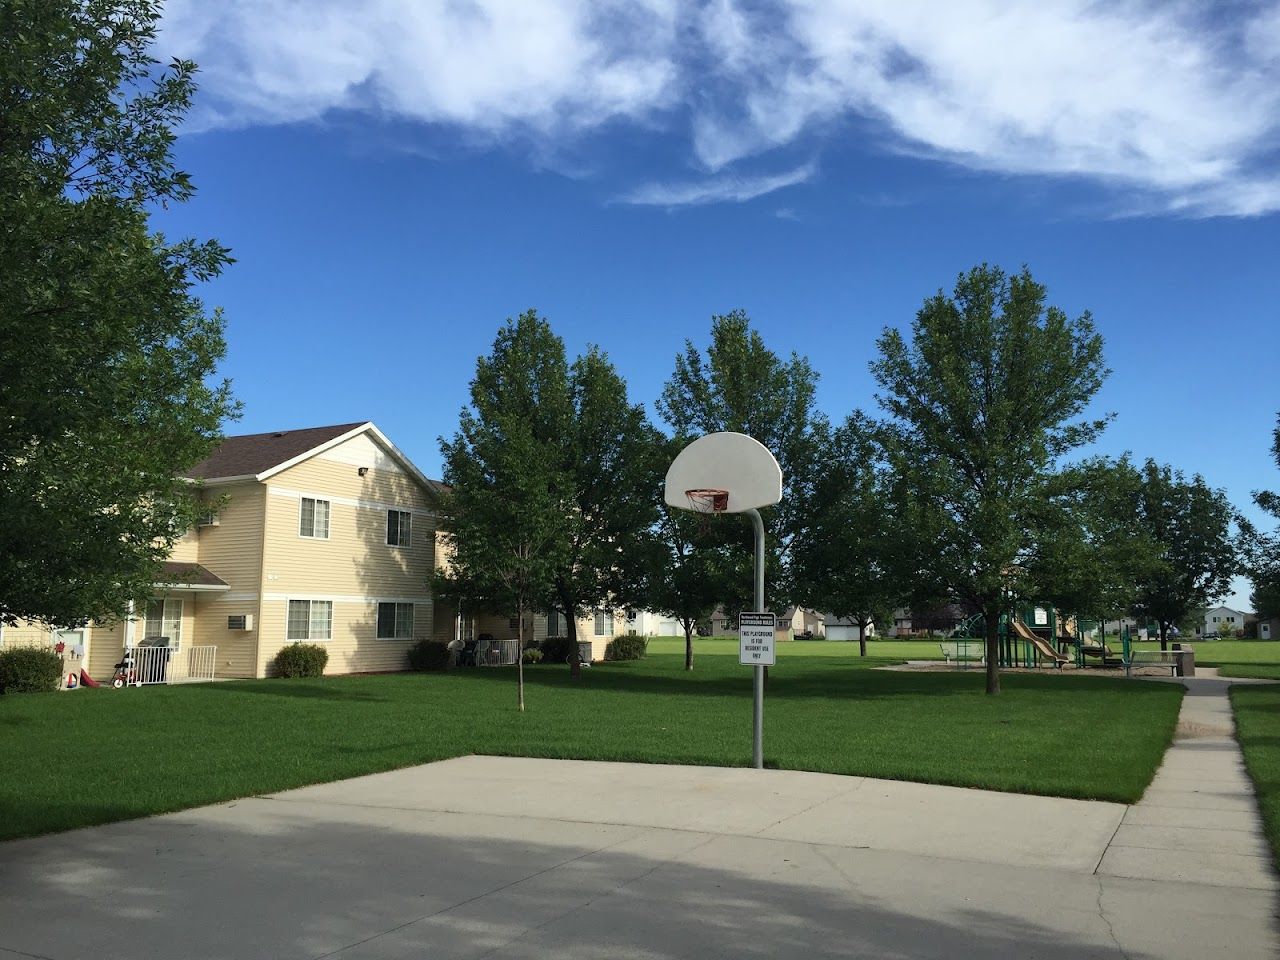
point(25, 634)
point(187, 549)
point(353, 646)
point(233, 551)
point(355, 568)
point(106, 647)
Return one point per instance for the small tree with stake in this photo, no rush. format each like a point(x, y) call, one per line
point(504, 508)
point(982, 403)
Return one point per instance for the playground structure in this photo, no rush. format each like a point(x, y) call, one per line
point(1032, 636)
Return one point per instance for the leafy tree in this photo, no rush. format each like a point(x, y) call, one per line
point(1262, 550)
point(982, 403)
point(850, 563)
point(686, 574)
point(506, 504)
point(1096, 551)
point(107, 395)
point(1196, 556)
point(1265, 599)
point(743, 386)
point(612, 461)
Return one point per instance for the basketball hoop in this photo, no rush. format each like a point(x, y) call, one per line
point(708, 500)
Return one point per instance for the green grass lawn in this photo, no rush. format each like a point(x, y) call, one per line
point(1257, 710)
point(94, 756)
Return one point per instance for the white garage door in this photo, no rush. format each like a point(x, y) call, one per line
point(841, 633)
point(669, 628)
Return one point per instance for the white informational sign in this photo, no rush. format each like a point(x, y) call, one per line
point(1041, 617)
point(755, 638)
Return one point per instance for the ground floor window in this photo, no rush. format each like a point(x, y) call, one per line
point(395, 621)
point(310, 620)
point(604, 623)
point(553, 623)
point(164, 619)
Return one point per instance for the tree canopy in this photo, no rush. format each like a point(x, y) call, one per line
point(108, 393)
point(1189, 524)
point(613, 463)
point(742, 385)
point(506, 504)
point(851, 561)
point(1262, 548)
point(989, 393)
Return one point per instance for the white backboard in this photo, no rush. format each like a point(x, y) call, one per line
point(734, 462)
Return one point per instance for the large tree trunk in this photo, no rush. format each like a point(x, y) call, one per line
point(991, 622)
point(520, 657)
point(862, 637)
point(1164, 635)
point(689, 627)
point(568, 602)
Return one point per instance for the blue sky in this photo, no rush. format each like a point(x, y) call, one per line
point(395, 182)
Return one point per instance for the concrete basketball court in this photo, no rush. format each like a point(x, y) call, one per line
point(508, 857)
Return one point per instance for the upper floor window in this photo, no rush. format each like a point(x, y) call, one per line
point(399, 528)
point(313, 518)
point(310, 619)
point(395, 621)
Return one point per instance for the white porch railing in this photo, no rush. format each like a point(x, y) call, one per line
point(187, 664)
point(497, 653)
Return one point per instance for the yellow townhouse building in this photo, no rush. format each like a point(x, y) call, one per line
point(324, 535)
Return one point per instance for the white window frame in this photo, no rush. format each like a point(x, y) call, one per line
point(328, 517)
point(404, 526)
point(310, 637)
point(395, 620)
point(553, 623)
point(602, 618)
point(175, 642)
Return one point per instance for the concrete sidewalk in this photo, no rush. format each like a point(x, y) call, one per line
point(1198, 820)
point(506, 857)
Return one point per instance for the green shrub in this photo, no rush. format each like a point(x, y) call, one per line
point(532, 655)
point(300, 660)
point(29, 670)
point(629, 647)
point(557, 649)
point(429, 655)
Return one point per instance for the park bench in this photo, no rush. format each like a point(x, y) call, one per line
point(963, 650)
point(1173, 659)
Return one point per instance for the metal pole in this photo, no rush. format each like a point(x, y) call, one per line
point(757, 705)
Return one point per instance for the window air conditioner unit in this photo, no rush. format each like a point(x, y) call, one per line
point(240, 621)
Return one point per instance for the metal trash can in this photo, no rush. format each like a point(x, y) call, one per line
point(1185, 658)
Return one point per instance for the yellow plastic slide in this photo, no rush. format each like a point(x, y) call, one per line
point(1026, 633)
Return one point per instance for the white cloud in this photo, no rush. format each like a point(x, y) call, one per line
point(549, 65)
point(1173, 105)
point(718, 189)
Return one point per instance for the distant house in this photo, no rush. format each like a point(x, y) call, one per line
point(843, 628)
point(1220, 618)
point(924, 623)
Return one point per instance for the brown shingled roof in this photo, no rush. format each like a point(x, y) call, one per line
point(253, 453)
point(173, 572)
